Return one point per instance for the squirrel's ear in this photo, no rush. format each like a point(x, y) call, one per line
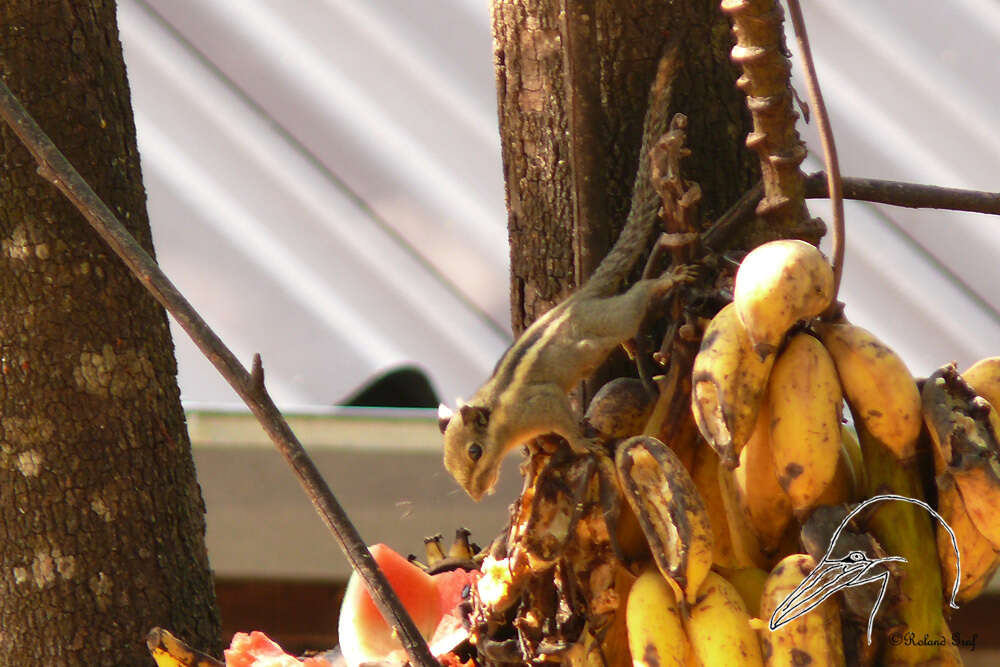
point(444, 416)
point(473, 414)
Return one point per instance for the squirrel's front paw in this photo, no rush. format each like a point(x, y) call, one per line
point(685, 273)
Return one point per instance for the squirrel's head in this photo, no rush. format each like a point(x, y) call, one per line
point(467, 457)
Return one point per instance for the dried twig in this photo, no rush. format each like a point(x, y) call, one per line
point(54, 166)
point(829, 150)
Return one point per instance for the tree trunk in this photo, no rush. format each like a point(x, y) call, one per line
point(101, 516)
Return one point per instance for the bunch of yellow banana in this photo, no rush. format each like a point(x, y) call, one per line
point(758, 377)
point(777, 285)
point(768, 388)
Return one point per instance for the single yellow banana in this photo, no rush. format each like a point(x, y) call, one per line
point(778, 284)
point(169, 651)
point(656, 636)
point(765, 504)
point(984, 378)
point(878, 386)
point(718, 626)
point(805, 399)
point(727, 385)
point(979, 558)
point(814, 637)
point(964, 429)
point(749, 583)
point(843, 487)
point(670, 511)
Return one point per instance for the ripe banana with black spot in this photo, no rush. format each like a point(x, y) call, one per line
point(718, 626)
point(878, 386)
point(813, 638)
point(778, 284)
point(979, 558)
point(670, 511)
point(765, 504)
point(728, 384)
point(656, 636)
point(843, 487)
point(805, 400)
point(749, 583)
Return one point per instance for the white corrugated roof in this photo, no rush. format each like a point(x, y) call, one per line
point(325, 183)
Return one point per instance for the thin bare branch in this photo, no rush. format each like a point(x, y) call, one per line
point(54, 166)
point(909, 195)
point(893, 193)
point(829, 149)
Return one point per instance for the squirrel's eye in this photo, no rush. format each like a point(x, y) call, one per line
point(475, 451)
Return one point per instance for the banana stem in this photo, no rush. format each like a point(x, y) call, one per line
point(829, 152)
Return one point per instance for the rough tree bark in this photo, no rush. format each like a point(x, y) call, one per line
point(101, 517)
point(572, 82)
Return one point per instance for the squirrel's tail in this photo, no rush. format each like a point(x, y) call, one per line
point(642, 218)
